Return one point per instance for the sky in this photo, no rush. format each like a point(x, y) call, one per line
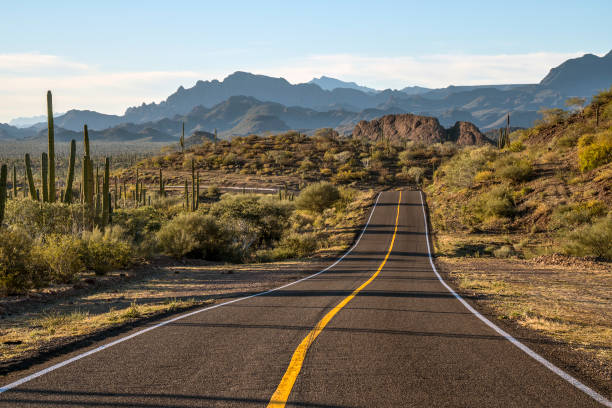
point(110, 55)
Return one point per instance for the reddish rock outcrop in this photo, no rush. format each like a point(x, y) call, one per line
point(418, 128)
point(466, 134)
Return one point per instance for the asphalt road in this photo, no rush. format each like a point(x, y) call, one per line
point(403, 340)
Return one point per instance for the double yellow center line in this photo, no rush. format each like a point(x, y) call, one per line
point(280, 396)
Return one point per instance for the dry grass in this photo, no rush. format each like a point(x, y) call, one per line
point(568, 300)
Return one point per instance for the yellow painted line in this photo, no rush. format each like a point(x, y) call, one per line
point(280, 396)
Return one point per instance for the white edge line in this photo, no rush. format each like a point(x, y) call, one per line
point(164, 323)
point(590, 392)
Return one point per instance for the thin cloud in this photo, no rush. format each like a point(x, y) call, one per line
point(34, 61)
point(429, 70)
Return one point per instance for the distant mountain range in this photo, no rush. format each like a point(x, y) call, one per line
point(245, 103)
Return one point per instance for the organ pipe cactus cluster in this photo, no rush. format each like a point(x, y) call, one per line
point(504, 135)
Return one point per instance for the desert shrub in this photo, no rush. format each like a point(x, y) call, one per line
point(594, 150)
point(483, 176)
point(446, 148)
point(573, 215)
point(39, 219)
point(491, 210)
point(460, 170)
point(15, 261)
point(300, 245)
point(505, 251)
point(252, 217)
point(567, 140)
point(592, 240)
point(516, 146)
point(415, 174)
point(103, 251)
point(140, 223)
point(62, 255)
point(317, 197)
point(193, 235)
point(514, 169)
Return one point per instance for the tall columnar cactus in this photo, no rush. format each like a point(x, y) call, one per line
point(215, 136)
point(186, 196)
point(86, 140)
point(106, 193)
point(161, 184)
point(14, 181)
point(3, 176)
point(193, 186)
point(198, 191)
point(44, 167)
point(182, 139)
point(137, 196)
point(51, 192)
point(116, 192)
point(68, 195)
point(32, 187)
point(84, 180)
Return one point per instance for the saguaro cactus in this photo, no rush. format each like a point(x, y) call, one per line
point(161, 184)
point(106, 194)
point(44, 163)
point(198, 191)
point(3, 176)
point(31, 185)
point(137, 196)
point(14, 181)
point(182, 139)
point(68, 195)
point(86, 140)
point(51, 192)
point(186, 196)
point(193, 186)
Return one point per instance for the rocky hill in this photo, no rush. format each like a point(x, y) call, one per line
point(418, 128)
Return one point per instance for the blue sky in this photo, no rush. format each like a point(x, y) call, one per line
point(114, 54)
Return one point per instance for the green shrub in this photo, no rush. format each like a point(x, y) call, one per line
point(491, 210)
point(592, 240)
point(15, 261)
point(317, 197)
point(573, 215)
point(62, 254)
point(301, 245)
point(459, 171)
point(39, 219)
point(193, 235)
point(105, 251)
point(513, 169)
point(140, 223)
point(253, 220)
point(594, 150)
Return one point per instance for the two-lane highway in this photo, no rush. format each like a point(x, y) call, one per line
point(378, 329)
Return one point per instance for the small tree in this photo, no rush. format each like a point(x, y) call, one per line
point(575, 104)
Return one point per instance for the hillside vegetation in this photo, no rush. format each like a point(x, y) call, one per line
point(548, 191)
